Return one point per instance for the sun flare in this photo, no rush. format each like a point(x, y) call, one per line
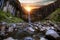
point(28, 8)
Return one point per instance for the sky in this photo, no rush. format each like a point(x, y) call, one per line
point(35, 2)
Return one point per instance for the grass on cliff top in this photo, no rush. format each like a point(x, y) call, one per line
point(55, 16)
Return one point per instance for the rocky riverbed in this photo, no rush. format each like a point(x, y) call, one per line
point(26, 31)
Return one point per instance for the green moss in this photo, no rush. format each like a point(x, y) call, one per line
point(7, 17)
point(55, 16)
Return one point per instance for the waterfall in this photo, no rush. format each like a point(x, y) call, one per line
point(9, 8)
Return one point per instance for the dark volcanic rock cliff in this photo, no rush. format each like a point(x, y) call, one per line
point(12, 6)
point(41, 13)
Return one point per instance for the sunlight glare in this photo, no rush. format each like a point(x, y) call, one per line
point(28, 8)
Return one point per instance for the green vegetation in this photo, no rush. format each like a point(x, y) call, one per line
point(7, 17)
point(55, 16)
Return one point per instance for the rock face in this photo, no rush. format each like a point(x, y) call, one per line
point(12, 6)
point(1, 3)
point(44, 11)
